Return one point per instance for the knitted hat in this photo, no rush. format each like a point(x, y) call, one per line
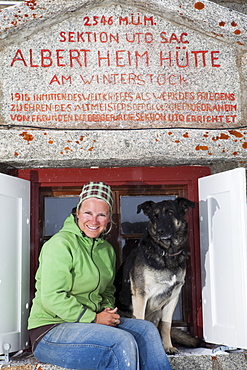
point(98, 190)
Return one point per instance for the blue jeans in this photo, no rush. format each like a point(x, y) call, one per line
point(133, 345)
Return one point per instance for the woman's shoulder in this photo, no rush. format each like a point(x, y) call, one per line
point(66, 238)
point(107, 247)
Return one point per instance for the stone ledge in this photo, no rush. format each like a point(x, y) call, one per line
point(206, 359)
point(194, 359)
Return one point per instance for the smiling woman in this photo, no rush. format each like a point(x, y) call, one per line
point(93, 217)
point(94, 209)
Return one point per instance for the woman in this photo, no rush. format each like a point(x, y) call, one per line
point(73, 322)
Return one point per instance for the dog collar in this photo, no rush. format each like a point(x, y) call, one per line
point(173, 254)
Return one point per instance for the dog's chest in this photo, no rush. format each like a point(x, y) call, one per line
point(159, 284)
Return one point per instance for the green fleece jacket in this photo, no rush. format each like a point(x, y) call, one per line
point(75, 278)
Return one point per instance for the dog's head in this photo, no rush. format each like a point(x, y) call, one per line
point(167, 223)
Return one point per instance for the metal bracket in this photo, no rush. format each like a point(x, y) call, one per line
point(5, 357)
point(223, 348)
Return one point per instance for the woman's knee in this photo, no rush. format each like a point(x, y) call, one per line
point(126, 350)
point(146, 326)
point(126, 340)
point(118, 351)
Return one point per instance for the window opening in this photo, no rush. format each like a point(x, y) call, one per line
point(179, 181)
point(56, 210)
point(128, 226)
point(132, 222)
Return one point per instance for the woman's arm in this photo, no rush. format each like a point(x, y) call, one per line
point(56, 280)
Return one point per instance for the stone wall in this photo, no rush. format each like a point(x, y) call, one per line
point(191, 57)
point(237, 5)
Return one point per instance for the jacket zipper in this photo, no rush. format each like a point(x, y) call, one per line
point(98, 279)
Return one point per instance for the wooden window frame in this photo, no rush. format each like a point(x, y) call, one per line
point(185, 176)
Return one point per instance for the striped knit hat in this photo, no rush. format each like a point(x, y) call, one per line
point(98, 190)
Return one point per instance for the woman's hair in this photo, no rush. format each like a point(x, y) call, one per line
point(98, 190)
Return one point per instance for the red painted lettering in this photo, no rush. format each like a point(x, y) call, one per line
point(31, 59)
point(107, 58)
point(213, 58)
point(182, 58)
point(18, 57)
point(169, 58)
point(64, 79)
point(46, 58)
point(59, 57)
point(137, 20)
point(140, 37)
point(71, 37)
point(118, 57)
point(182, 38)
point(202, 53)
point(63, 36)
point(138, 56)
point(173, 38)
point(75, 56)
point(55, 79)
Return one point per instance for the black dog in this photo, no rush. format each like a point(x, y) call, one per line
point(149, 282)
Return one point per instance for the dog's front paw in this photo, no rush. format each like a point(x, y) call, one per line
point(171, 350)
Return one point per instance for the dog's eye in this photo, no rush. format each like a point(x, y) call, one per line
point(170, 213)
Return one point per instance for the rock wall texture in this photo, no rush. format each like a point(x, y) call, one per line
point(104, 83)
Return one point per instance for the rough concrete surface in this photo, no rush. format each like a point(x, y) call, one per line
point(194, 359)
point(195, 51)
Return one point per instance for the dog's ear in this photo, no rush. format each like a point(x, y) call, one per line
point(184, 204)
point(146, 207)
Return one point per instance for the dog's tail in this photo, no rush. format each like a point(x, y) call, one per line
point(183, 338)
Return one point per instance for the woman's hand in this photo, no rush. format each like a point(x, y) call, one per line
point(108, 317)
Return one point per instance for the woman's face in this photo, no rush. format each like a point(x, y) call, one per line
point(93, 216)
